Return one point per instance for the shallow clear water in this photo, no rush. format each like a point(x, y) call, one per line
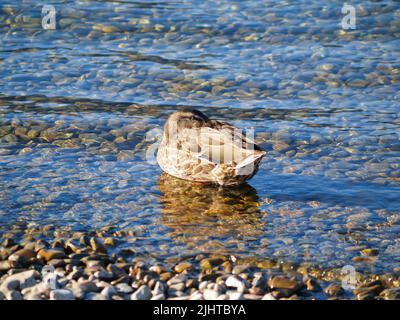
point(81, 108)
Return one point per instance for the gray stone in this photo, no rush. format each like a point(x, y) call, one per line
point(334, 290)
point(19, 281)
point(38, 289)
point(95, 296)
point(249, 296)
point(123, 288)
point(13, 295)
point(260, 281)
point(143, 293)
point(178, 286)
point(181, 278)
point(109, 292)
point(159, 288)
point(75, 274)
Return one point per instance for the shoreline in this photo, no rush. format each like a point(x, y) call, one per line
point(81, 266)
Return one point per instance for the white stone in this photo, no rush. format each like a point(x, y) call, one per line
point(203, 285)
point(124, 288)
point(210, 294)
point(196, 296)
point(268, 296)
point(180, 278)
point(13, 295)
point(234, 295)
point(19, 281)
point(95, 296)
point(77, 292)
point(143, 293)
point(32, 296)
point(38, 289)
point(183, 297)
point(159, 296)
point(61, 294)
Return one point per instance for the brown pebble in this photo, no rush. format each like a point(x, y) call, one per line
point(227, 267)
point(209, 263)
point(111, 242)
point(283, 287)
point(165, 276)
point(57, 263)
point(123, 279)
point(84, 241)
point(7, 265)
point(266, 264)
point(375, 287)
point(334, 290)
point(391, 294)
point(97, 245)
point(364, 259)
point(22, 256)
point(370, 252)
point(183, 266)
point(51, 254)
point(313, 285)
point(40, 244)
point(257, 291)
point(7, 243)
point(192, 283)
point(158, 269)
point(58, 244)
point(283, 282)
point(249, 296)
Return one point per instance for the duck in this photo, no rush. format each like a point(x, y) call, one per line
point(196, 148)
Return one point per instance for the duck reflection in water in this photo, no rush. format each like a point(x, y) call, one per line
point(204, 215)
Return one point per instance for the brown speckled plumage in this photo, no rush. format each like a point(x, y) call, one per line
point(197, 148)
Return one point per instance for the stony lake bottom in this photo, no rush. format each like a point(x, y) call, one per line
point(82, 109)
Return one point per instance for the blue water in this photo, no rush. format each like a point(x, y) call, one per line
point(323, 102)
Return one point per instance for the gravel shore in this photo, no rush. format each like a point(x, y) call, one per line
point(81, 266)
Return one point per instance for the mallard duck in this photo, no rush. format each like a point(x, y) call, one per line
point(199, 149)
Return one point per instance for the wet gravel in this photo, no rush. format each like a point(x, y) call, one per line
point(87, 266)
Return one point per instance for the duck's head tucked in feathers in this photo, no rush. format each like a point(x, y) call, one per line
point(197, 148)
point(185, 119)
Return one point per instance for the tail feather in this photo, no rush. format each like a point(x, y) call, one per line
point(248, 165)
